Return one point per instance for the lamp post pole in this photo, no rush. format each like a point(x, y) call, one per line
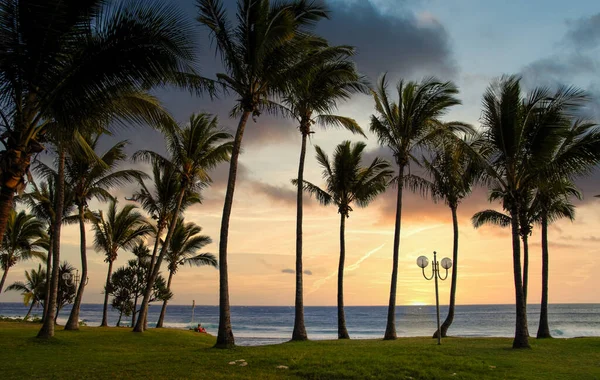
point(422, 262)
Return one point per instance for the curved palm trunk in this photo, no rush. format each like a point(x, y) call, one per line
point(225, 337)
point(299, 332)
point(143, 314)
point(47, 330)
point(48, 277)
point(544, 329)
point(342, 331)
point(521, 334)
point(106, 291)
point(73, 322)
point(390, 328)
point(163, 310)
point(134, 311)
point(3, 279)
point(29, 311)
point(452, 306)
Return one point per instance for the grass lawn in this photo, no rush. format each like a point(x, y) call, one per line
point(97, 352)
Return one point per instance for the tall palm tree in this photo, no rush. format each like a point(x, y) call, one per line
point(41, 201)
point(33, 290)
point(453, 172)
point(89, 178)
point(348, 182)
point(577, 154)
point(193, 150)
point(552, 203)
point(24, 238)
point(65, 62)
point(523, 135)
point(185, 244)
point(405, 127)
point(122, 229)
point(258, 55)
point(310, 99)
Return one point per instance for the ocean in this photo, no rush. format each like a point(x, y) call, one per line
point(260, 325)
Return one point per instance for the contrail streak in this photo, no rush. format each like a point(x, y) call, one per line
point(317, 285)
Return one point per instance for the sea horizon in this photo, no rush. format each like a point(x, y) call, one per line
point(260, 325)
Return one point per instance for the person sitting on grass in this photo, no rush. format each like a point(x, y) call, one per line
point(200, 329)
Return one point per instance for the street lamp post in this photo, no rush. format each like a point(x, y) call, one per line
point(422, 262)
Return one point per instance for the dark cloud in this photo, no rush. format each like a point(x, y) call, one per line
point(584, 33)
point(398, 43)
point(308, 272)
point(288, 270)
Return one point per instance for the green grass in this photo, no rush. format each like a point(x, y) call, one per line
point(95, 352)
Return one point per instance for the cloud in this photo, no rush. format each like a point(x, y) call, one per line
point(399, 42)
point(584, 33)
point(291, 271)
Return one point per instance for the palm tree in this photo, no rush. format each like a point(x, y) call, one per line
point(65, 63)
point(310, 99)
point(160, 204)
point(258, 55)
point(25, 234)
point(185, 244)
point(523, 135)
point(453, 172)
point(122, 229)
point(552, 203)
point(33, 290)
point(405, 127)
point(89, 178)
point(194, 150)
point(348, 182)
point(41, 201)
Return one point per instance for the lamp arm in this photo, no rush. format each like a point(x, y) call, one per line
point(440, 276)
point(432, 274)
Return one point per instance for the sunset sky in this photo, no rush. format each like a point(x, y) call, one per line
point(469, 42)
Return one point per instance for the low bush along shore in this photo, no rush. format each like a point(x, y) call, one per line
point(95, 352)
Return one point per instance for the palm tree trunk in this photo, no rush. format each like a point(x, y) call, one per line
point(452, 306)
point(390, 329)
point(3, 279)
point(521, 334)
point(525, 239)
point(163, 310)
point(106, 291)
point(225, 337)
point(47, 330)
point(342, 331)
point(7, 196)
point(48, 276)
point(119, 320)
point(299, 332)
point(139, 326)
point(544, 329)
point(29, 311)
point(73, 322)
point(150, 270)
